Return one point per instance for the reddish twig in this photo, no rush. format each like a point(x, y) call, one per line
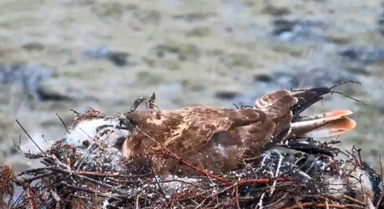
point(29, 194)
point(345, 197)
point(197, 169)
point(237, 197)
point(262, 181)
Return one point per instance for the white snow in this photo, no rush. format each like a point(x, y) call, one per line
point(86, 130)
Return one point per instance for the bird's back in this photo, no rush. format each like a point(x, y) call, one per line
point(212, 138)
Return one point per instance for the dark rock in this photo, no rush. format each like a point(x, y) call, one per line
point(183, 52)
point(228, 29)
point(198, 32)
point(226, 95)
point(148, 16)
point(109, 10)
point(299, 78)
point(237, 60)
point(380, 23)
point(34, 46)
point(298, 30)
point(358, 69)
point(275, 11)
point(193, 17)
point(375, 152)
point(56, 89)
point(120, 59)
point(263, 78)
point(48, 94)
point(339, 39)
point(281, 26)
point(27, 76)
point(363, 55)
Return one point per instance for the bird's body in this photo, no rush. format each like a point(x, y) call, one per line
point(220, 140)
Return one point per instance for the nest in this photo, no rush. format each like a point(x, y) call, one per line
point(93, 174)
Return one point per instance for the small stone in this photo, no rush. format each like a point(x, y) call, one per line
point(52, 90)
point(34, 46)
point(264, 78)
point(226, 95)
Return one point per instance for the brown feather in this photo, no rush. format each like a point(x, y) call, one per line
point(212, 138)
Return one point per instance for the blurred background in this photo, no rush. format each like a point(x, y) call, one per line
point(75, 54)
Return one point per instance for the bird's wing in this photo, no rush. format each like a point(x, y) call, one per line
point(270, 99)
point(188, 128)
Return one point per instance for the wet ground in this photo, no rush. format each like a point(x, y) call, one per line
point(75, 54)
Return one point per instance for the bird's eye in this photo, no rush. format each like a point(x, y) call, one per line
point(123, 122)
point(126, 123)
point(131, 122)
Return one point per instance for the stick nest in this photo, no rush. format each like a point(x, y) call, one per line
point(98, 177)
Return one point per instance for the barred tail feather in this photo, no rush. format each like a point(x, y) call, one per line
point(323, 125)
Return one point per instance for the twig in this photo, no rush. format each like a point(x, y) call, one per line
point(277, 171)
point(215, 194)
point(55, 196)
point(18, 199)
point(99, 174)
point(262, 181)
point(74, 111)
point(156, 180)
point(344, 82)
point(86, 190)
point(345, 197)
point(62, 121)
point(358, 150)
point(137, 202)
point(363, 194)
point(74, 174)
point(90, 137)
point(88, 152)
point(237, 196)
point(331, 91)
point(31, 138)
point(345, 95)
point(18, 144)
point(260, 204)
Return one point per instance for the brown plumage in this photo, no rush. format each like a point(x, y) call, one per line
point(220, 140)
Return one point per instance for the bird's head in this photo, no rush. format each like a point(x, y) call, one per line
point(128, 125)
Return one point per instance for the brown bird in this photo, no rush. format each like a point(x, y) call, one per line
point(220, 140)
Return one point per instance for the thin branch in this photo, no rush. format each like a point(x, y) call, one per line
point(30, 138)
point(74, 111)
point(62, 121)
point(156, 180)
point(344, 82)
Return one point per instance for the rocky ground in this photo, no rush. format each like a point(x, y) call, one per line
point(75, 54)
